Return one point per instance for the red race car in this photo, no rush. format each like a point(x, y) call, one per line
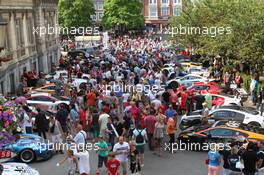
point(202, 87)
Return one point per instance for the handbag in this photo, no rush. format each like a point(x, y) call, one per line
point(207, 161)
point(239, 165)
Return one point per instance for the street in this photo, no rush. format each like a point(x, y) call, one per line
point(180, 163)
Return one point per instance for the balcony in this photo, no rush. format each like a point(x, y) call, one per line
point(6, 56)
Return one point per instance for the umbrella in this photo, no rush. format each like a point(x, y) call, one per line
point(21, 100)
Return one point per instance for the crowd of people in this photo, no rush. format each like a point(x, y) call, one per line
point(125, 108)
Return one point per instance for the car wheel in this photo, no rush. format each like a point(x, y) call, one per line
point(254, 124)
point(27, 156)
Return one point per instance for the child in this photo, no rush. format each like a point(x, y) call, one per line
point(134, 159)
point(72, 162)
point(112, 165)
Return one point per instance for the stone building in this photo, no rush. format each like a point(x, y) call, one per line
point(25, 47)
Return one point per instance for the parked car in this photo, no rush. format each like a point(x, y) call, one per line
point(46, 102)
point(203, 87)
point(13, 168)
point(30, 147)
point(48, 88)
point(224, 132)
point(229, 112)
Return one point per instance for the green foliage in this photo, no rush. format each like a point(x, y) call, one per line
point(243, 42)
point(75, 13)
point(127, 14)
point(246, 81)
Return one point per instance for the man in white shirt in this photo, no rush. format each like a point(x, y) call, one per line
point(83, 161)
point(122, 149)
point(80, 137)
point(103, 119)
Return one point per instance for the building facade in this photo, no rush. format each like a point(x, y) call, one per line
point(25, 46)
point(158, 12)
point(99, 11)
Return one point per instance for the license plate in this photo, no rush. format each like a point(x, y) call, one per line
point(5, 154)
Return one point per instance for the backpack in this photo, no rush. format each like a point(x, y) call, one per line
point(139, 137)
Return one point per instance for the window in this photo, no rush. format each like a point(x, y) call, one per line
point(176, 10)
point(100, 6)
point(152, 1)
point(19, 33)
point(100, 15)
point(239, 117)
point(177, 1)
point(153, 11)
point(223, 114)
point(30, 32)
point(42, 98)
point(222, 132)
point(165, 1)
point(165, 11)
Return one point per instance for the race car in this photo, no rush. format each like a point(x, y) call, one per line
point(203, 87)
point(222, 133)
point(46, 101)
point(17, 169)
point(30, 147)
point(227, 112)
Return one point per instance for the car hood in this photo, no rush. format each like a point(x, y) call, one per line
point(18, 169)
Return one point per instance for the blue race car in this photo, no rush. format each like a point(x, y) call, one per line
point(30, 147)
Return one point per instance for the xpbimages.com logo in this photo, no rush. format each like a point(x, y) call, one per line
point(182, 146)
point(212, 31)
point(51, 30)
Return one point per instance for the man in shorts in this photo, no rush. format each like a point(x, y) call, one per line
point(122, 149)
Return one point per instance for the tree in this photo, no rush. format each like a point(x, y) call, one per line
point(75, 13)
point(124, 14)
point(241, 24)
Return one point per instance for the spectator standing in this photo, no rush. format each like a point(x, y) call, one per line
point(150, 121)
point(140, 137)
point(249, 159)
point(122, 150)
point(41, 123)
point(102, 153)
point(214, 161)
point(112, 165)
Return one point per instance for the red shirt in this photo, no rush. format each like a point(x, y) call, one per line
point(91, 97)
point(150, 122)
point(112, 166)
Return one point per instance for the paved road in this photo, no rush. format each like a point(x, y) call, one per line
point(180, 163)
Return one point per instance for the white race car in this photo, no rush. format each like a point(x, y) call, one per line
point(46, 102)
point(18, 169)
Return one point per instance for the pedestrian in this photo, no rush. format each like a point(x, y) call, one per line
point(121, 149)
point(159, 132)
point(249, 159)
point(62, 116)
point(83, 160)
point(140, 137)
point(171, 131)
point(150, 121)
point(72, 163)
point(135, 166)
point(238, 80)
point(41, 123)
point(233, 159)
point(208, 99)
point(112, 164)
point(55, 131)
point(103, 120)
point(103, 152)
point(214, 161)
point(261, 100)
point(81, 136)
